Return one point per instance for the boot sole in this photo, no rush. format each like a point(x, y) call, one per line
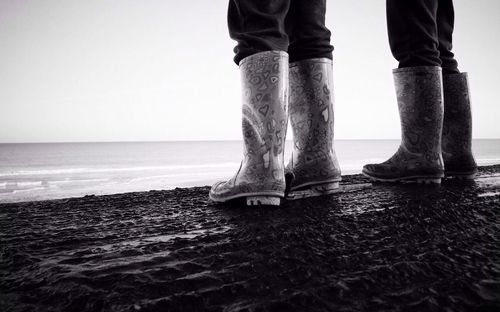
point(461, 175)
point(263, 201)
point(410, 179)
point(253, 199)
point(314, 191)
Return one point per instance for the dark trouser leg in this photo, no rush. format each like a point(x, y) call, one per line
point(305, 25)
point(257, 26)
point(413, 32)
point(445, 24)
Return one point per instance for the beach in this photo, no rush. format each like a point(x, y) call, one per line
point(368, 247)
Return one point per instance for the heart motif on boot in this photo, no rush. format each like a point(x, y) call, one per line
point(318, 77)
point(264, 110)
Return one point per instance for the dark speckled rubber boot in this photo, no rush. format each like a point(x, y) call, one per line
point(313, 169)
point(261, 177)
point(457, 128)
point(420, 103)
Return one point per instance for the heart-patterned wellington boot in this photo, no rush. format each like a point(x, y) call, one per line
point(260, 180)
point(420, 103)
point(313, 169)
point(457, 128)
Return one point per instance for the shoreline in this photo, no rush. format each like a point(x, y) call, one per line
point(348, 178)
point(368, 247)
point(75, 170)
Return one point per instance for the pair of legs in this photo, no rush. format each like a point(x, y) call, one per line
point(294, 26)
point(433, 96)
point(421, 33)
point(284, 55)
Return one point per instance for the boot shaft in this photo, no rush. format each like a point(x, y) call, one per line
point(260, 178)
point(420, 102)
point(457, 125)
point(264, 79)
point(311, 104)
point(311, 113)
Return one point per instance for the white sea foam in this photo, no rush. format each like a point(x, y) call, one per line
point(74, 181)
point(27, 190)
point(29, 184)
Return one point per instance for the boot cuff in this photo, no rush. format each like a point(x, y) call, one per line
point(460, 76)
point(265, 54)
point(312, 61)
point(425, 69)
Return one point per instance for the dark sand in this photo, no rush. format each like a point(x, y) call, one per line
point(371, 248)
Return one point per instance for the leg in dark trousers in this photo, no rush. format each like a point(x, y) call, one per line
point(436, 122)
point(420, 33)
point(295, 26)
point(313, 169)
point(413, 38)
point(458, 159)
point(308, 35)
point(445, 24)
point(257, 26)
point(265, 30)
point(413, 32)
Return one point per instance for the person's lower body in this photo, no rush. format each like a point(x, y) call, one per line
point(296, 27)
point(421, 33)
point(420, 37)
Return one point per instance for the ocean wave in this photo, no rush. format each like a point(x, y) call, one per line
point(69, 181)
point(28, 184)
point(28, 190)
point(25, 184)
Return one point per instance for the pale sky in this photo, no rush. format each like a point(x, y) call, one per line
point(155, 70)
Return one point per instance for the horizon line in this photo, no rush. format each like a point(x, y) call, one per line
point(194, 141)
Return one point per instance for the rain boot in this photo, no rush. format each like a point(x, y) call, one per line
point(457, 128)
point(313, 169)
point(260, 180)
point(420, 103)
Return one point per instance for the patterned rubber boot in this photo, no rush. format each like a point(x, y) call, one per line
point(313, 169)
point(457, 128)
point(260, 179)
point(420, 103)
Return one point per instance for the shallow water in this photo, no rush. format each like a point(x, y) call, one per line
point(60, 170)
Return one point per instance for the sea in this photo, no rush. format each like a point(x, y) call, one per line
point(40, 171)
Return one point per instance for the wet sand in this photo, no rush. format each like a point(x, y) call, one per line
point(366, 248)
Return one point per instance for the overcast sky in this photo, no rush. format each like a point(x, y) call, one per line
point(130, 70)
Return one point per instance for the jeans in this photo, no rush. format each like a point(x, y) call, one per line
point(295, 26)
point(420, 33)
